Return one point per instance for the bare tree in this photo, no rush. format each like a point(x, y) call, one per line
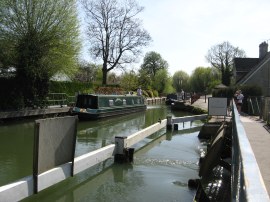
point(221, 57)
point(115, 33)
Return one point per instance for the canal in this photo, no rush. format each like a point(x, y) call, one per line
point(163, 163)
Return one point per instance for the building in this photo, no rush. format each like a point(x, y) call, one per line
point(254, 71)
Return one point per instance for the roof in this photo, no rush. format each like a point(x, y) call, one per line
point(245, 64)
point(254, 69)
point(220, 86)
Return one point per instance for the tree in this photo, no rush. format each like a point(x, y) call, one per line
point(221, 57)
point(144, 79)
point(42, 38)
point(129, 81)
point(113, 79)
point(153, 62)
point(203, 79)
point(115, 34)
point(160, 79)
point(87, 72)
point(180, 81)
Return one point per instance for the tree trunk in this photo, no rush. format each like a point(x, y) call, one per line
point(104, 74)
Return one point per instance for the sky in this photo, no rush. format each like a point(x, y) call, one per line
point(183, 31)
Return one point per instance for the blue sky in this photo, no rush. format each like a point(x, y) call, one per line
point(184, 30)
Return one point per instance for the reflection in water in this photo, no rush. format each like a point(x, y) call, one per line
point(94, 135)
point(16, 148)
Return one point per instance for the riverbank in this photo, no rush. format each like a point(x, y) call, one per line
point(25, 113)
point(55, 111)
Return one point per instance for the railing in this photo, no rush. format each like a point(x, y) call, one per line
point(60, 99)
point(247, 182)
point(254, 105)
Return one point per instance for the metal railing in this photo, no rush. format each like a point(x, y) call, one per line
point(247, 183)
point(60, 99)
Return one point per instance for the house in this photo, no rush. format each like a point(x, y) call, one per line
point(254, 71)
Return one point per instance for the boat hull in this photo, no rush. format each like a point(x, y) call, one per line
point(108, 112)
point(179, 105)
point(102, 106)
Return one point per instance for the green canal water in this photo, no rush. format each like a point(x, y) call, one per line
point(163, 163)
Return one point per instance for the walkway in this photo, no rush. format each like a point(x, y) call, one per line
point(259, 139)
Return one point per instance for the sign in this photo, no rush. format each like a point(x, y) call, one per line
point(217, 106)
point(54, 144)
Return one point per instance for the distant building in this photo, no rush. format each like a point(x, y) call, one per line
point(254, 71)
point(60, 77)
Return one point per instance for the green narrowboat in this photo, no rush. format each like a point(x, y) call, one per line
point(91, 106)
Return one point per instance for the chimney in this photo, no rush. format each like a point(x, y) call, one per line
point(263, 49)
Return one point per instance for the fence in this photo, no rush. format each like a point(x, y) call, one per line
point(60, 99)
point(247, 183)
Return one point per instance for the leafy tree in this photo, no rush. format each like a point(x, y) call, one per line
point(153, 62)
point(160, 80)
point(144, 79)
point(115, 33)
point(129, 81)
point(203, 79)
point(113, 78)
point(221, 57)
point(168, 88)
point(180, 81)
point(42, 38)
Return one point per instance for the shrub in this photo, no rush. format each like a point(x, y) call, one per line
point(155, 93)
point(11, 98)
point(145, 93)
point(70, 87)
point(150, 93)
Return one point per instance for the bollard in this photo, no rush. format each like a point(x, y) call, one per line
point(123, 154)
point(169, 122)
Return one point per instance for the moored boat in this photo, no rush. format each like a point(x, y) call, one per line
point(171, 98)
point(90, 106)
point(178, 105)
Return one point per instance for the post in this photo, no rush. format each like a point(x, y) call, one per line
point(123, 154)
point(169, 122)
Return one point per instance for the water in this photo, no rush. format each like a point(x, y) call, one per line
point(160, 171)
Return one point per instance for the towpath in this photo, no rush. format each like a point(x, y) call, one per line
point(259, 139)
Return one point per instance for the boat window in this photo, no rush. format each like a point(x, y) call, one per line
point(83, 101)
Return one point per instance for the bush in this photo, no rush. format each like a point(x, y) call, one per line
point(70, 87)
point(150, 93)
point(11, 98)
point(145, 93)
point(155, 93)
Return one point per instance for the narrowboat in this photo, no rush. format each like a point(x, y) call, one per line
point(91, 106)
point(171, 98)
point(178, 105)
